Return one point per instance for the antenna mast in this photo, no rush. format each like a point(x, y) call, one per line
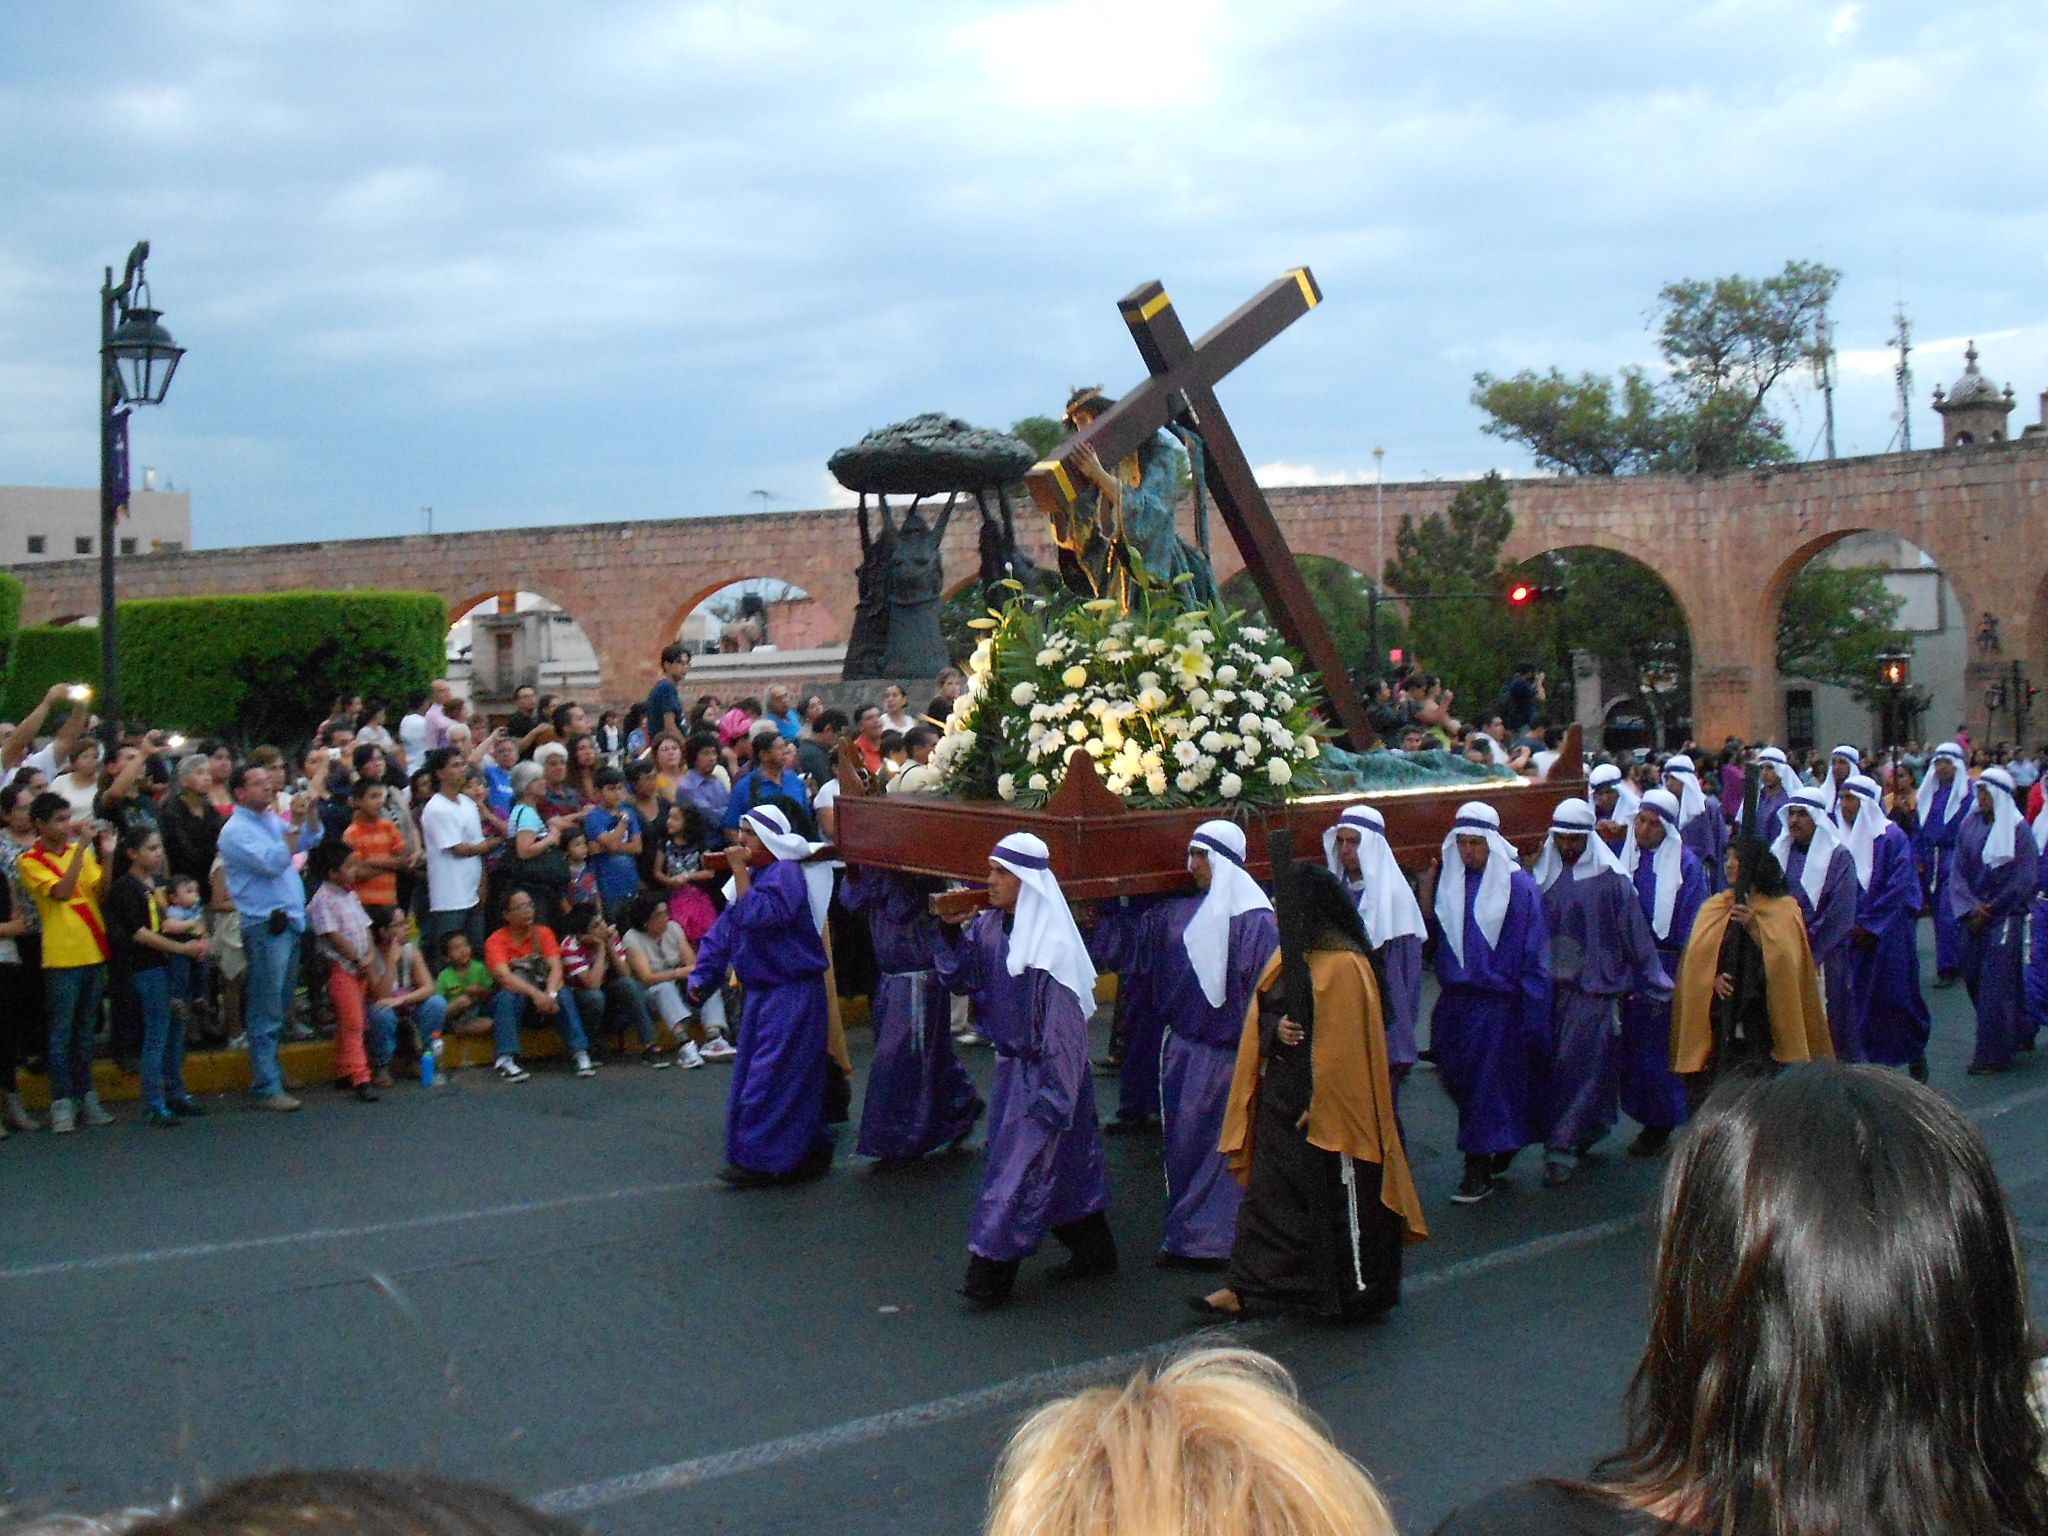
point(1902, 338)
point(1824, 373)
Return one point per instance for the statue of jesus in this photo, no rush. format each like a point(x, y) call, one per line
point(1119, 533)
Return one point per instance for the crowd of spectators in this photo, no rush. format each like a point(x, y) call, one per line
point(392, 883)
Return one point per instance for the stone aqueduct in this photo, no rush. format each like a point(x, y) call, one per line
point(1727, 546)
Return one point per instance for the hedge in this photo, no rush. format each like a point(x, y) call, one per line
point(45, 656)
point(252, 668)
point(10, 619)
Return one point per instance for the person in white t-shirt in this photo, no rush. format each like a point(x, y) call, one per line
point(81, 786)
point(412, 734)
point(50, 760)
point(456, 846)
point(896, 715)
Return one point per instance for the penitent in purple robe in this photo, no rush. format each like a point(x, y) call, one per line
point(1118, 944)
point(775, 1111)
point(1829, 922)
point(1935, 844)
point(1770, 809)
point(1196, 1060)
point(919, 1097)
point(1491, 1025)
point(1891, 1016)
point(1600, 948)
point(1706, 836)
point(1651, 1093)
point(1044, 1166)
point(1991, 959)
point(2036, 981)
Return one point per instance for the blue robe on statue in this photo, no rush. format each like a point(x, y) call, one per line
point(775, 1110)
point(1044, 1166)
point(919, 1096)
point(1936, 846)
point(1829, 922)
point(1651, 1093)
point(1197, 1057)
point(1600, 948)
point(1491, 1025)
point(1892, 1021)
point(1991, 960)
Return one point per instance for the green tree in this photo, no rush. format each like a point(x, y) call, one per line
point(1043, 433)
point(1620, 611)
point(1455, 554)
point(1343, 597)
point(1834, 624)
point(1726, 343)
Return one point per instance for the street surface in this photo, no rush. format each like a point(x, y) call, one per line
point(541, 1286)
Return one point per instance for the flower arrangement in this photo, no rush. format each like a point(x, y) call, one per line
point(1177, 706)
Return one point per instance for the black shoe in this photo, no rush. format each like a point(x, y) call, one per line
point(1946, 979)
point(1988, 1069)
point(366, 1093)
point(1091, 1246)
point(989, 1282)
point(1650, 1141)
point(1502, 1161)
point(187, 1110)
point(737, 1177)
point(1557, 1174)
point(816, 1164)
point(1202, 1306)
point(1165, 1260)
point(1473, 1188)
point(1132, 1125)
point(1917, 1067)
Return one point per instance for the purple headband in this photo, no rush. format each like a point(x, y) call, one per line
point(1021, 860)
point(1473, 824)
point(1211, 843)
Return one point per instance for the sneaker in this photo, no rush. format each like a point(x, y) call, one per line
point(279, 1103)
point(300, 1031)
point(655, 1057)
point(689, 1058)
point(585, 1067)
point(90, 1113)
point(509, 1069)
point(718, 1048)
point(381, 1078)
point(18, 1117)
point(61, 1121)
point(1473, 1188)
point(972, 1037)
point(162, 1120)
point(238, 1041)
point(187, 1109)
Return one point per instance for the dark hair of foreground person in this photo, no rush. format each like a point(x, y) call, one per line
point(355, 1503)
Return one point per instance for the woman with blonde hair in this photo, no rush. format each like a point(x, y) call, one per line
point(1217, 1443)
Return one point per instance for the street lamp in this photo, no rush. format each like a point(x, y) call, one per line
point(137, 359)
point(1894, 677)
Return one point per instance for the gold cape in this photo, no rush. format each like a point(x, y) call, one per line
point(1351, 1109)
point(1799, 1022)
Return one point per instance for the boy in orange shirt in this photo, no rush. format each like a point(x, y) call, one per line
point(378, 844)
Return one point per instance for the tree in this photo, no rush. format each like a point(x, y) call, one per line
point(1456, 553)
point(1343, 597)
point(1834, 624)
point(1727, 342)
point(1620, 611)
point(1043, 433)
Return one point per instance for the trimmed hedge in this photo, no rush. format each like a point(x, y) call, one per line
point(253, 668)
point(10, 619)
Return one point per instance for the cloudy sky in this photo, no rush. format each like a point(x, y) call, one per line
point(588, 259)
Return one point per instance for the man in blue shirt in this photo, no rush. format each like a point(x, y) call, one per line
point(771, 774)
point(613, 828)
point(256, 851)
point(783, 713)
point(665, 699)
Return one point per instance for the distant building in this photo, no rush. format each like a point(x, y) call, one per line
point(40, 523)
point(1973, 411)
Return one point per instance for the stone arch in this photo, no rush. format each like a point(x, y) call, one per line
point(820, 626)
point(548, 660)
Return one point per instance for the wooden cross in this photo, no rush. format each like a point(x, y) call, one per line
point(1182, 389)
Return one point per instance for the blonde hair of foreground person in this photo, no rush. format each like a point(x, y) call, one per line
point(1217, 1444)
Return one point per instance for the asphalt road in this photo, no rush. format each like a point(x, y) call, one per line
point(541, 1286)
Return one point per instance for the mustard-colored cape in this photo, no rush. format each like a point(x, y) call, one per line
point(1799, 1021)
point(1351, 1109)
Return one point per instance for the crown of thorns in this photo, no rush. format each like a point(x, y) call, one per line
point(1088, 397)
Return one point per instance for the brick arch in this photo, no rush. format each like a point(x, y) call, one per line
point(823, 619)
point(1771, 598)
point(1520, 550)
point(458, 611)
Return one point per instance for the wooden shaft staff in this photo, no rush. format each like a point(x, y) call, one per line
point(1297, 988)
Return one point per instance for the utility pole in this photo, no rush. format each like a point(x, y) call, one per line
point(1902, 375)
point(429, 511)
point(1824, 373)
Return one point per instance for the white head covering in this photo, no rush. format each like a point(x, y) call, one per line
point(1231, 890)
point(1626, 800)
point(1820, 852)
point(1043, 934)
point(2005, 818)
point(1692, 801)
point(1386, 905)
point(1475, 819)
point(1775, 760)
point(1668, 861)
point(1861, 838)
point(1961, 796)
point(1573, 818)
point(772, 827)
point(1827, 784)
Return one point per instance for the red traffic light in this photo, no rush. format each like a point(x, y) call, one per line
point(1520, 594)
point(1524, 594)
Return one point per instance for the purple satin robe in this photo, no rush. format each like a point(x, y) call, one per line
point(1198, 1054)
point(1651, 1093)
point(919, 1096)
point(1770, 808)
point(1892, 1021)
point(1044, 1165)
point(1118, 944)
point(1935, 845)
point(1600, 947)
point(2036, 980)
point(1491, 1025)
point(1991, 960)
point(1706, 835)
point(775, 1110)
point(1829, 923)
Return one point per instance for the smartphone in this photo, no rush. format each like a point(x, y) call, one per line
point(78, 693)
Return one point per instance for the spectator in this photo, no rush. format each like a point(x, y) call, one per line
point(402, 988)
point(1217, 1444)
point(685, 868)
point(660, 958)
point(190, 822)
point(525, 719)
point(525, 964)
point(917, 776)
point(440, 694)
point(636, 732)
point(817, 751)
point(595, 973)
point(378, 845)
point(348, 1504)
point(14, 751)
point(558, 796)
point(814, 706)
point(580, 883)
point(140, 952)
point(771, 781)
point(895, 755)
point(372, 728)
point(19, 1008)
point(705, 785)
point(896, 715)
point(80, 784)
point(372, 764)
point(940, 710)
point(497, 772)
point(867, 738)
point(465, 984)
point(122, 801)
point(610, 739)
point(341, 927)
point(456, 846)
point(737, 723)
point(781, 713)
point(583, 767)
point(615, 832)
point(665, 698)
point(1838, 1332)
point(185, 918)
point(68, 878)
point(1523, 696)
point(704, 715)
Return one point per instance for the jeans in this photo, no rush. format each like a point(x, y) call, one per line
point(510, 1009)
point(163, 1040)
point(273, 972)
point(466, 920)
point(72, 995)
point(428, 1017)
point(623, 993)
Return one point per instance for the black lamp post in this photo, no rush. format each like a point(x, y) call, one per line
point(137, 359)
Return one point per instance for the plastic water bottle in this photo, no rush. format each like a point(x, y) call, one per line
point(430, 1062)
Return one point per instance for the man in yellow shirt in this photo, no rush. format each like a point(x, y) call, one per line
point(68, 877)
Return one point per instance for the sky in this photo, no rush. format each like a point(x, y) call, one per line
point(541, 261)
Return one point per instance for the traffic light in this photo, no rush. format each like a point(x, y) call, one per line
point(1523, 594)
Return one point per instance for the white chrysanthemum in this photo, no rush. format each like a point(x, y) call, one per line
point(1078, 730)
point(1187, 781)
point(1254, 634)
point(1200, 637)
point(1282, 667)
point(1120, 627)
point(1155, 783)
point(1242, 759)
point(1230, 786)
point(1049, 657)
point(983, 658)
point(1038, 783)
point(1281, 738)
point(1278, 771)
point(1006, 786)
point(1249, 722)
point(1151, 700)
point(1212, 741)
point(1254, 698)
point(1186, 753)
point(1148, 679)
point(1223, 697)
point(1226, 674)
point(1095, 747)
point(1024, 693)
point(1252, 748)
point(1153, 645)
point(1074, 676)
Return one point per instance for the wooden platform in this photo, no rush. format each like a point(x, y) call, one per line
point(1101, 847)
